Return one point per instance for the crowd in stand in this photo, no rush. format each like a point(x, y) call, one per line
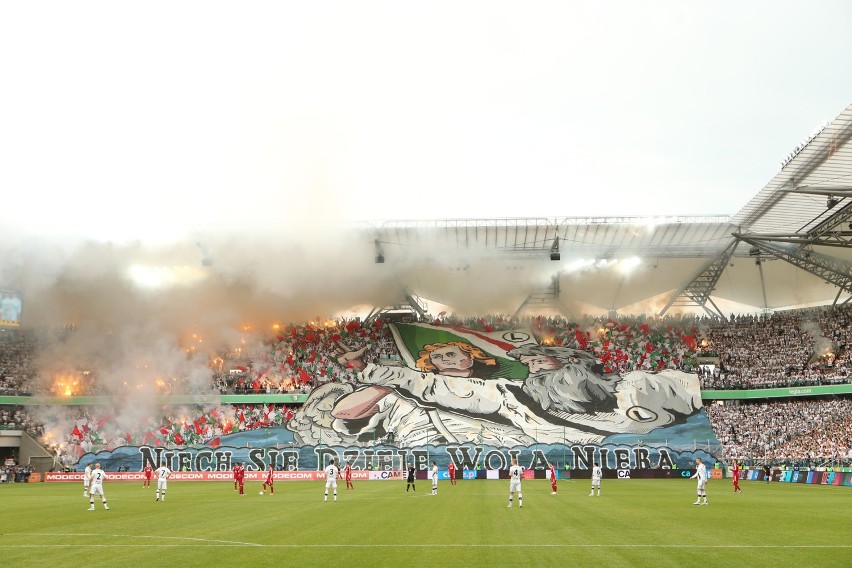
point(17, 367)
point(813, 431)
point(17, 418)
point(71, 432)
point(15, 473)
point(795, 348)
point(299, 358)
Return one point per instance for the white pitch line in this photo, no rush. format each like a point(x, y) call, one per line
point(235, 544)
point(213, 540)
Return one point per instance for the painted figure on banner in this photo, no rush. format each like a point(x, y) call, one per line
point(471, 387)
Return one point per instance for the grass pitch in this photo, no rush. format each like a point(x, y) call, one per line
point(633, 523)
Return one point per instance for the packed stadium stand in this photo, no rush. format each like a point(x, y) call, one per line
point(785, 349)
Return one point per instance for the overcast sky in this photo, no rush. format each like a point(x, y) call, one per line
point(124, 120)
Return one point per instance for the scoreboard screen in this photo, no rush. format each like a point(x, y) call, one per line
point(10, 308)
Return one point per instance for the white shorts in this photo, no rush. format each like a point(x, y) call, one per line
point(701, 484)
point(596, 481)
point(96, 489)
point(514, 487)
point(85, 481)
point(162, 483)
point(331, 483)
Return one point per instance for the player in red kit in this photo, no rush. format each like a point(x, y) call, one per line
point(241, 475)
point(452, 472)
point(735, 473)
point(236, 476)
point(268, 482)
point(347, 471)
point(148, 471)
point(553, 479)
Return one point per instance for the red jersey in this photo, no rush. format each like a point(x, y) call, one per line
point(148, 471)
point(735, 471)
point(452, 469)
point(239, 473)
point(269, 476)
point(348, 471)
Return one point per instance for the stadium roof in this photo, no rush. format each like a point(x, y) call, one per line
point(788, 247)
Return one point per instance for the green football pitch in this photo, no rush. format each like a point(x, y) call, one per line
point(633, 523)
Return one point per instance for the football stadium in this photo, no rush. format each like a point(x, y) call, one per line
point(542, 375)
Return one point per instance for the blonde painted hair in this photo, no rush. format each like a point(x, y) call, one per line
point(424, 362)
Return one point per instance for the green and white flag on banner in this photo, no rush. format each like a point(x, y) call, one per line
point(411, 338)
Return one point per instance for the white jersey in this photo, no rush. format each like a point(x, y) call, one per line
point(516, 473)
point(597, 472)
point(162, 473)
point(96, 479)
point(331, 474)
point(434, 475)
point(87, 474)
point(97, 476)
point(701, 474)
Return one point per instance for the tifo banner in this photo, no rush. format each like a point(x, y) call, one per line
point(383, 458)
point(477, 398)
point(500, 389)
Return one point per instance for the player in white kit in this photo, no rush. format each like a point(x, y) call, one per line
point(331, 475)
point(597, 473)
point(162, 474)
point(701, 475)
point(516, 473)
point(86, 474)
point(434, 475)
point(96, 480)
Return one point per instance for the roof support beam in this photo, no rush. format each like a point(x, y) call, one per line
point(697, 290)
point(832, 270)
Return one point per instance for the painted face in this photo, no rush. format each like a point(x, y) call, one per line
point(451, 358)
point(538, 363)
